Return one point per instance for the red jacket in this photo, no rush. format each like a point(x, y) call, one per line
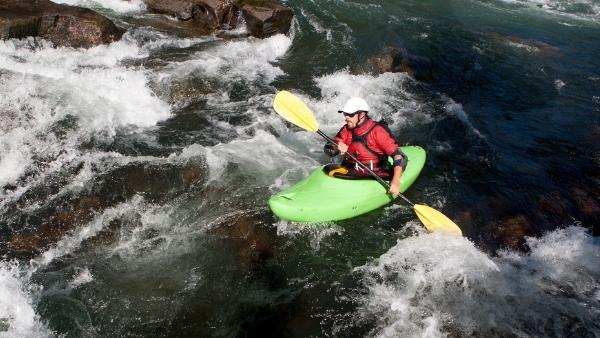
point(379, 141)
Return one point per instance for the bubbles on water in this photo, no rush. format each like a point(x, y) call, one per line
point(456, 109)
point(54, 99)
point(435, 284)
point(315, 233)
point(17, 298)
point(83, 276)
point(236, 60)
point(580, 9)
point(384, 93)
point(558, 84)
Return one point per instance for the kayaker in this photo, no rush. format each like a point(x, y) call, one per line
point(370, 142)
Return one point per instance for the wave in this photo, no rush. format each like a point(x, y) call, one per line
point(434, 285)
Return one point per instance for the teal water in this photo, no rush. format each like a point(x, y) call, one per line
point(135, 178)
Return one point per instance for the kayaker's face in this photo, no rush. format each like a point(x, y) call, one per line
point(352, 120)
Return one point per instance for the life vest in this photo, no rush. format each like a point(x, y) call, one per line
point(359, 148)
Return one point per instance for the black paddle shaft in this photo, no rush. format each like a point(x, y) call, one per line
point(362, 165)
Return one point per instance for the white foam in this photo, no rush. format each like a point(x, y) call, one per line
point(559, 84)
point(46, 86)
point(17, 297)
point(262, 156)
point(83, 276)
point(73, 240)
point(456, 109)
point(578, 9)
point(384, 94)
point(432, 283)
point(316, 233)
point(122, 6)
point(317, 25)
point(237, 60)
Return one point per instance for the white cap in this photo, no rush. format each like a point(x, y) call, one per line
point(353, 105)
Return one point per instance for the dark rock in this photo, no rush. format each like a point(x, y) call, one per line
point(530, 45)
point(193, 173)
point(594, 79)
point(165, 24)
point(29, 243)
point(63, 25)
point(205, 16)
point(397, 60)
point(265, 18)
point(553, 204)
point(252, 244)
point(513, 231)
point(586, 203)
point(181, 9)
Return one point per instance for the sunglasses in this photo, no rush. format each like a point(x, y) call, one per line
point(348, 114)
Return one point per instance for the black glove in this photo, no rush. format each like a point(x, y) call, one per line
point(331, 150)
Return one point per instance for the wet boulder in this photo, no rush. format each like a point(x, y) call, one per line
point(398, 60)
point(63, 25)
point(202, 16)
point(265, 18)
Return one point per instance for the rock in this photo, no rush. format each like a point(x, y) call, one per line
point(253, 245)
point(513, 231)
point(206, 16)
point(265, 18)
point(534, 46)
point(553, 204)
point(30, 243)
point(63, 25)
point(202, 17)
point(586, 203)
point(397, 60)
point(193, 173)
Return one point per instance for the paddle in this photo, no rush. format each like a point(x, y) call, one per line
point(291, 108)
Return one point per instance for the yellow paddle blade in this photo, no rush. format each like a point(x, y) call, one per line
point(435, 220)
point(294, 110)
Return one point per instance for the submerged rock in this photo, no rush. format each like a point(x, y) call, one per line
point(398, 60)
point(587, 204)
point(63, 25)
point(33, 242)
point(513, 231)
point(252, 244)
point(553, 203)
point(527, 44)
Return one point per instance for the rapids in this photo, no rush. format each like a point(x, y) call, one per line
point(134, 177)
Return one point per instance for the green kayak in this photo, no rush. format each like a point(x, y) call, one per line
point(320, 198)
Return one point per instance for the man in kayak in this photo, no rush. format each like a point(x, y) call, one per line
point(369, 142)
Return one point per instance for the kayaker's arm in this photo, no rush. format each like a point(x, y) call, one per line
point(400, 162)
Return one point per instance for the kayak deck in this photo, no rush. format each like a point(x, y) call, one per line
point(319, 197)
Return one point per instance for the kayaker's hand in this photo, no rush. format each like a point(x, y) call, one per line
point(343, 147)
point(394, 188)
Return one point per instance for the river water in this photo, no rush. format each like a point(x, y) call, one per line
point(135, 177)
